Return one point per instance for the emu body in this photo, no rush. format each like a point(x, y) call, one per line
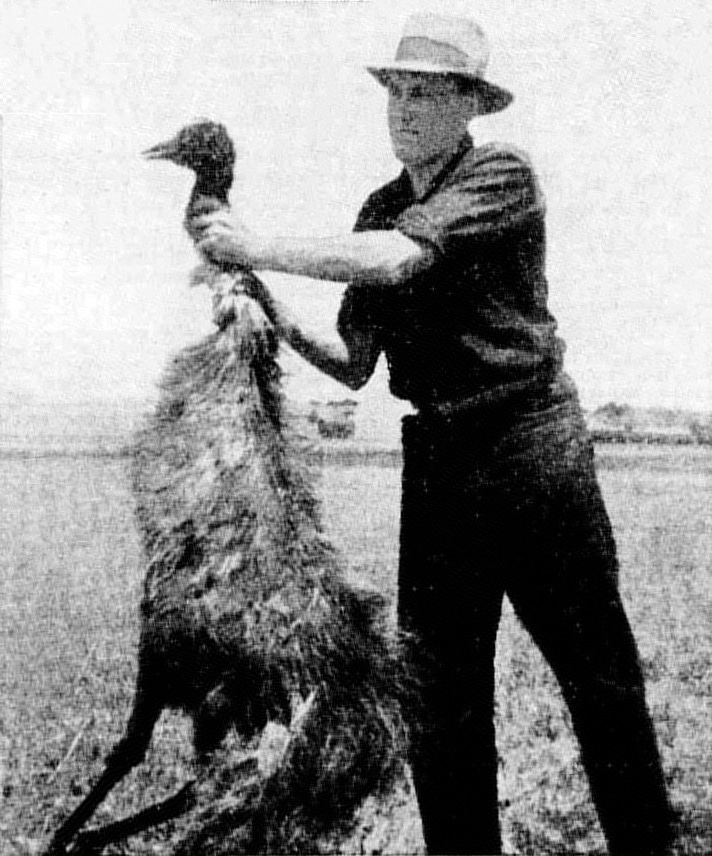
point(246, 617)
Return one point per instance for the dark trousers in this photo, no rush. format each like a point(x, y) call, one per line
point(512, 505)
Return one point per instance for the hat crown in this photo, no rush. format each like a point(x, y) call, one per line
point(459, 38)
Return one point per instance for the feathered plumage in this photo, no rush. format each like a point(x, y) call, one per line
point(247, 621)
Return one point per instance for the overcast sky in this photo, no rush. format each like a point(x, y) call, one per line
point(612, 102)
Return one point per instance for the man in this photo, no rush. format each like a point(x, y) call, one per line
point(446, 277)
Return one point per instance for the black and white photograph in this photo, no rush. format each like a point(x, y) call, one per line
point(355, 428)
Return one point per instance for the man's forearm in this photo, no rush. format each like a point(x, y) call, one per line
point(386, 257)
point(325, 356)
point(350, 367)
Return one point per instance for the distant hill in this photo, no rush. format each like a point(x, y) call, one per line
point(33, 426)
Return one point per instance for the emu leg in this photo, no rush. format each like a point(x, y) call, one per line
point(95, 839)
point(127, 753)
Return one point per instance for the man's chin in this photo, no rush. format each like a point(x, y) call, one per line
point(408, 155)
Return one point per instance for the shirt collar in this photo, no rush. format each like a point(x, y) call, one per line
point(439, 177)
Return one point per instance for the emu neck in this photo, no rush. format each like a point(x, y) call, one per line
point(215, 183)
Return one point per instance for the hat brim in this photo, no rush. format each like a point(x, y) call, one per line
point(493, 98)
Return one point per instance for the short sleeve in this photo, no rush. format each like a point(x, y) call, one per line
point(494, 194)
point(363, 306)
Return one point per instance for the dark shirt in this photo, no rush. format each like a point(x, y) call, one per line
point(475, 324)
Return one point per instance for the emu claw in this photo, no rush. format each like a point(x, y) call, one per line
point(88, 843)
point(57, 848)
point(79, 846)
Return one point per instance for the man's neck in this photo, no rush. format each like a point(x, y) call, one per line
point(423, 174)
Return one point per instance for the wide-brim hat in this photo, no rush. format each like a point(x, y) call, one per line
point(436, 44)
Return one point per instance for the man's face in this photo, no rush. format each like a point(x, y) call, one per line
point(427, 116)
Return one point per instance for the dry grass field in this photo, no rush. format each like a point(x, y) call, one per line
point(70, 581)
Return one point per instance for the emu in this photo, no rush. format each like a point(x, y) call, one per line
point(248, 623)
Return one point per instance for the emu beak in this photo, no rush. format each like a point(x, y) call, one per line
point(163, 151)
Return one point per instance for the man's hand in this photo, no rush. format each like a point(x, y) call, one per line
point(221, 238)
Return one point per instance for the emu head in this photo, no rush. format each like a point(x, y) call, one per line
point(206, 148)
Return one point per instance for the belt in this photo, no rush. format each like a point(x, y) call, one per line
point(530, 391)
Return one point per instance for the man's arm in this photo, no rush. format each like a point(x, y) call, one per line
point(385, 258)
point(350, 357)
point(381, 257)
